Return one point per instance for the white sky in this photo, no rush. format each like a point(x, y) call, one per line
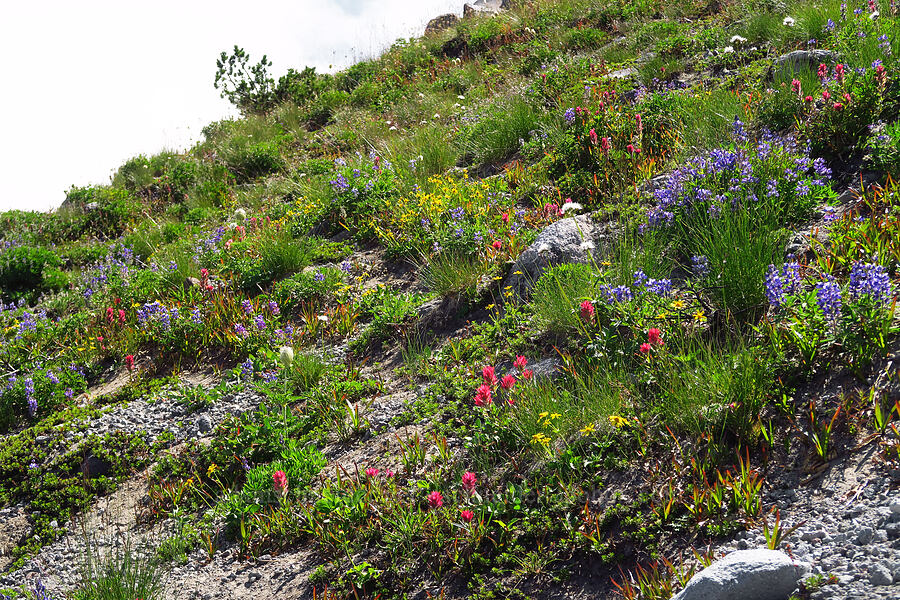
point(89, 84)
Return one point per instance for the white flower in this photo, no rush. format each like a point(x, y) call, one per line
point(421, 95)
point(461, 97)
point(423, 122)
point(789, 22)
point(874, 15)
point(436, 116)
point(587, 245)
point(728, 49)
point(323, 318)
point(231, 226)
point(738, 40)
point(286, 356)
point(240, 215)
point(393, 128)
point(570, 206)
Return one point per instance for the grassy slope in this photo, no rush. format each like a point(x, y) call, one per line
point(287, 217)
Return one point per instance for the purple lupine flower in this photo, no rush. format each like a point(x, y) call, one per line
point(319, 276)
point(622, 293)
point(640, 278)
point(240, 330)
point(52, 377)
point(259, 322)
point(273, 308)
point(774, 286)
point(345, 266)
point(247, 368)
point(869, 280)
point(247, 306)
point(699, 266)
point(821, 168)
point(340, 184)
point(69, 393)
point(660, 287)
point(790, 276)
point(195, 316)
point(457, 213)
point(28, 323)
point(569, 115)
point(828, 297)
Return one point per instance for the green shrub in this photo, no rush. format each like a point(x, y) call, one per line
point(122, 572)
point(580, 39)
point(310, 286)
point(27, 270)
point(557, 295)
point(884, 146)
point(447, 273)
point(502, 130)
point(103, 212)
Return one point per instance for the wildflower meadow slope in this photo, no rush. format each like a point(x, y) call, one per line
point(563, 301)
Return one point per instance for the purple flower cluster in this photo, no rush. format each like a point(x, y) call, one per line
point(782, 283)
point(828, 297)
point(247, 306)
point(29, 397)
point(247, 368)
point(699, 266)
point(871, 280)
point(340, 184)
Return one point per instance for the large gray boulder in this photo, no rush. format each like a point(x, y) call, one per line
point(441, 23)
point(746, 575)
point(800, 60)
point(569, 240)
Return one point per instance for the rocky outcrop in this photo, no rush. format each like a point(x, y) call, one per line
point(441, 23)
point(490, 7)
point(800, 60)
point(570, 240)
point(746, 575)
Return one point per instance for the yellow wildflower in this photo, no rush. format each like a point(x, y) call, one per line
point(699, 317)
point(618, 421)
point(678, 304)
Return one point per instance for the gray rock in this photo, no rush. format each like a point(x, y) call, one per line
point(204, 424)
point(94, 467)
point(746, 575)
point(441, 23)
point(880, 575)
point(803, 59)
point(622, 73)
point(864, 535)
point(565, 241)
point(895, 506)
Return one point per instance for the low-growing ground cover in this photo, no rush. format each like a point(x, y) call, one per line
point(341, 253)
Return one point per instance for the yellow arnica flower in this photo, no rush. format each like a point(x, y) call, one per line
point(212, 469)
point(587, 429)
point(678, 304)
point(618, 421)
point(699, 316)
